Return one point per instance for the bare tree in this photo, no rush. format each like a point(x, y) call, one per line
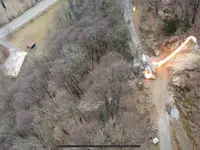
point(3, 4)
point(23, 121)
point(48, 91)
point(154, 4)
point(195, 10)
point(29, 143)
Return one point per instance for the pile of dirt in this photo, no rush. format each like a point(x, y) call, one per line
point(186, 86)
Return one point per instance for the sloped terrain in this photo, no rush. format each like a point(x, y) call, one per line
point(185, 83)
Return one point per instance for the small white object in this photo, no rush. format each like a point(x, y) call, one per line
point(155, 140)
point(175, 113)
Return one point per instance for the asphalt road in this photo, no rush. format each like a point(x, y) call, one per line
point(26, 17)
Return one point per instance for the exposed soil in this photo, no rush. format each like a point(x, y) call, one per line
point(185, 85)
point(35, 31)
point(137, 115)
point(137, 15)
point(185, 72)
point(158, 88)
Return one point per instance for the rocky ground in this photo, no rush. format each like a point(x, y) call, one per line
point(104, 102)
point(184, 69)
point(82, 90)
point(185, 85)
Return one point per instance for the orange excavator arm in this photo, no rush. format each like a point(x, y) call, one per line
point(151, 66)
point(160, 63)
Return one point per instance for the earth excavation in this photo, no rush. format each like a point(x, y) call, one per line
point(150, 66)
point(81, 82)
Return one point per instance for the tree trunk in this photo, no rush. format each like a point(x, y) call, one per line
point(3, 4)
point(195, 11)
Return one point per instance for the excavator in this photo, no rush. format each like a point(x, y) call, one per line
point(150, 65)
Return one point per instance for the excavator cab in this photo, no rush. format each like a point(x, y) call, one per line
point(149, 68)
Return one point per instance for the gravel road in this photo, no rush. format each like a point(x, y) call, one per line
point(159, 87)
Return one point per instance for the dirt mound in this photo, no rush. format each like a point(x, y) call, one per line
point(186, 61)
point(186, 87)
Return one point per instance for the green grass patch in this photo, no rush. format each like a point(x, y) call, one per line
point(170, 26)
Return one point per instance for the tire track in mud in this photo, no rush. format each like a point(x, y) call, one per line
point(159, 95)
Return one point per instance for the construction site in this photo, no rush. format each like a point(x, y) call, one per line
point(101, 74)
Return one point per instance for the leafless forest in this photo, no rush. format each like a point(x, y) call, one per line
point(14, 8)
point(82, 90)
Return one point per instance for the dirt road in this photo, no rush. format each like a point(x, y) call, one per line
point(159, 95)
point(128, 19)
point(159, 87)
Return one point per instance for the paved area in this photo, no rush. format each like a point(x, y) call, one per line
point(14, 62)
point(26, 17)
